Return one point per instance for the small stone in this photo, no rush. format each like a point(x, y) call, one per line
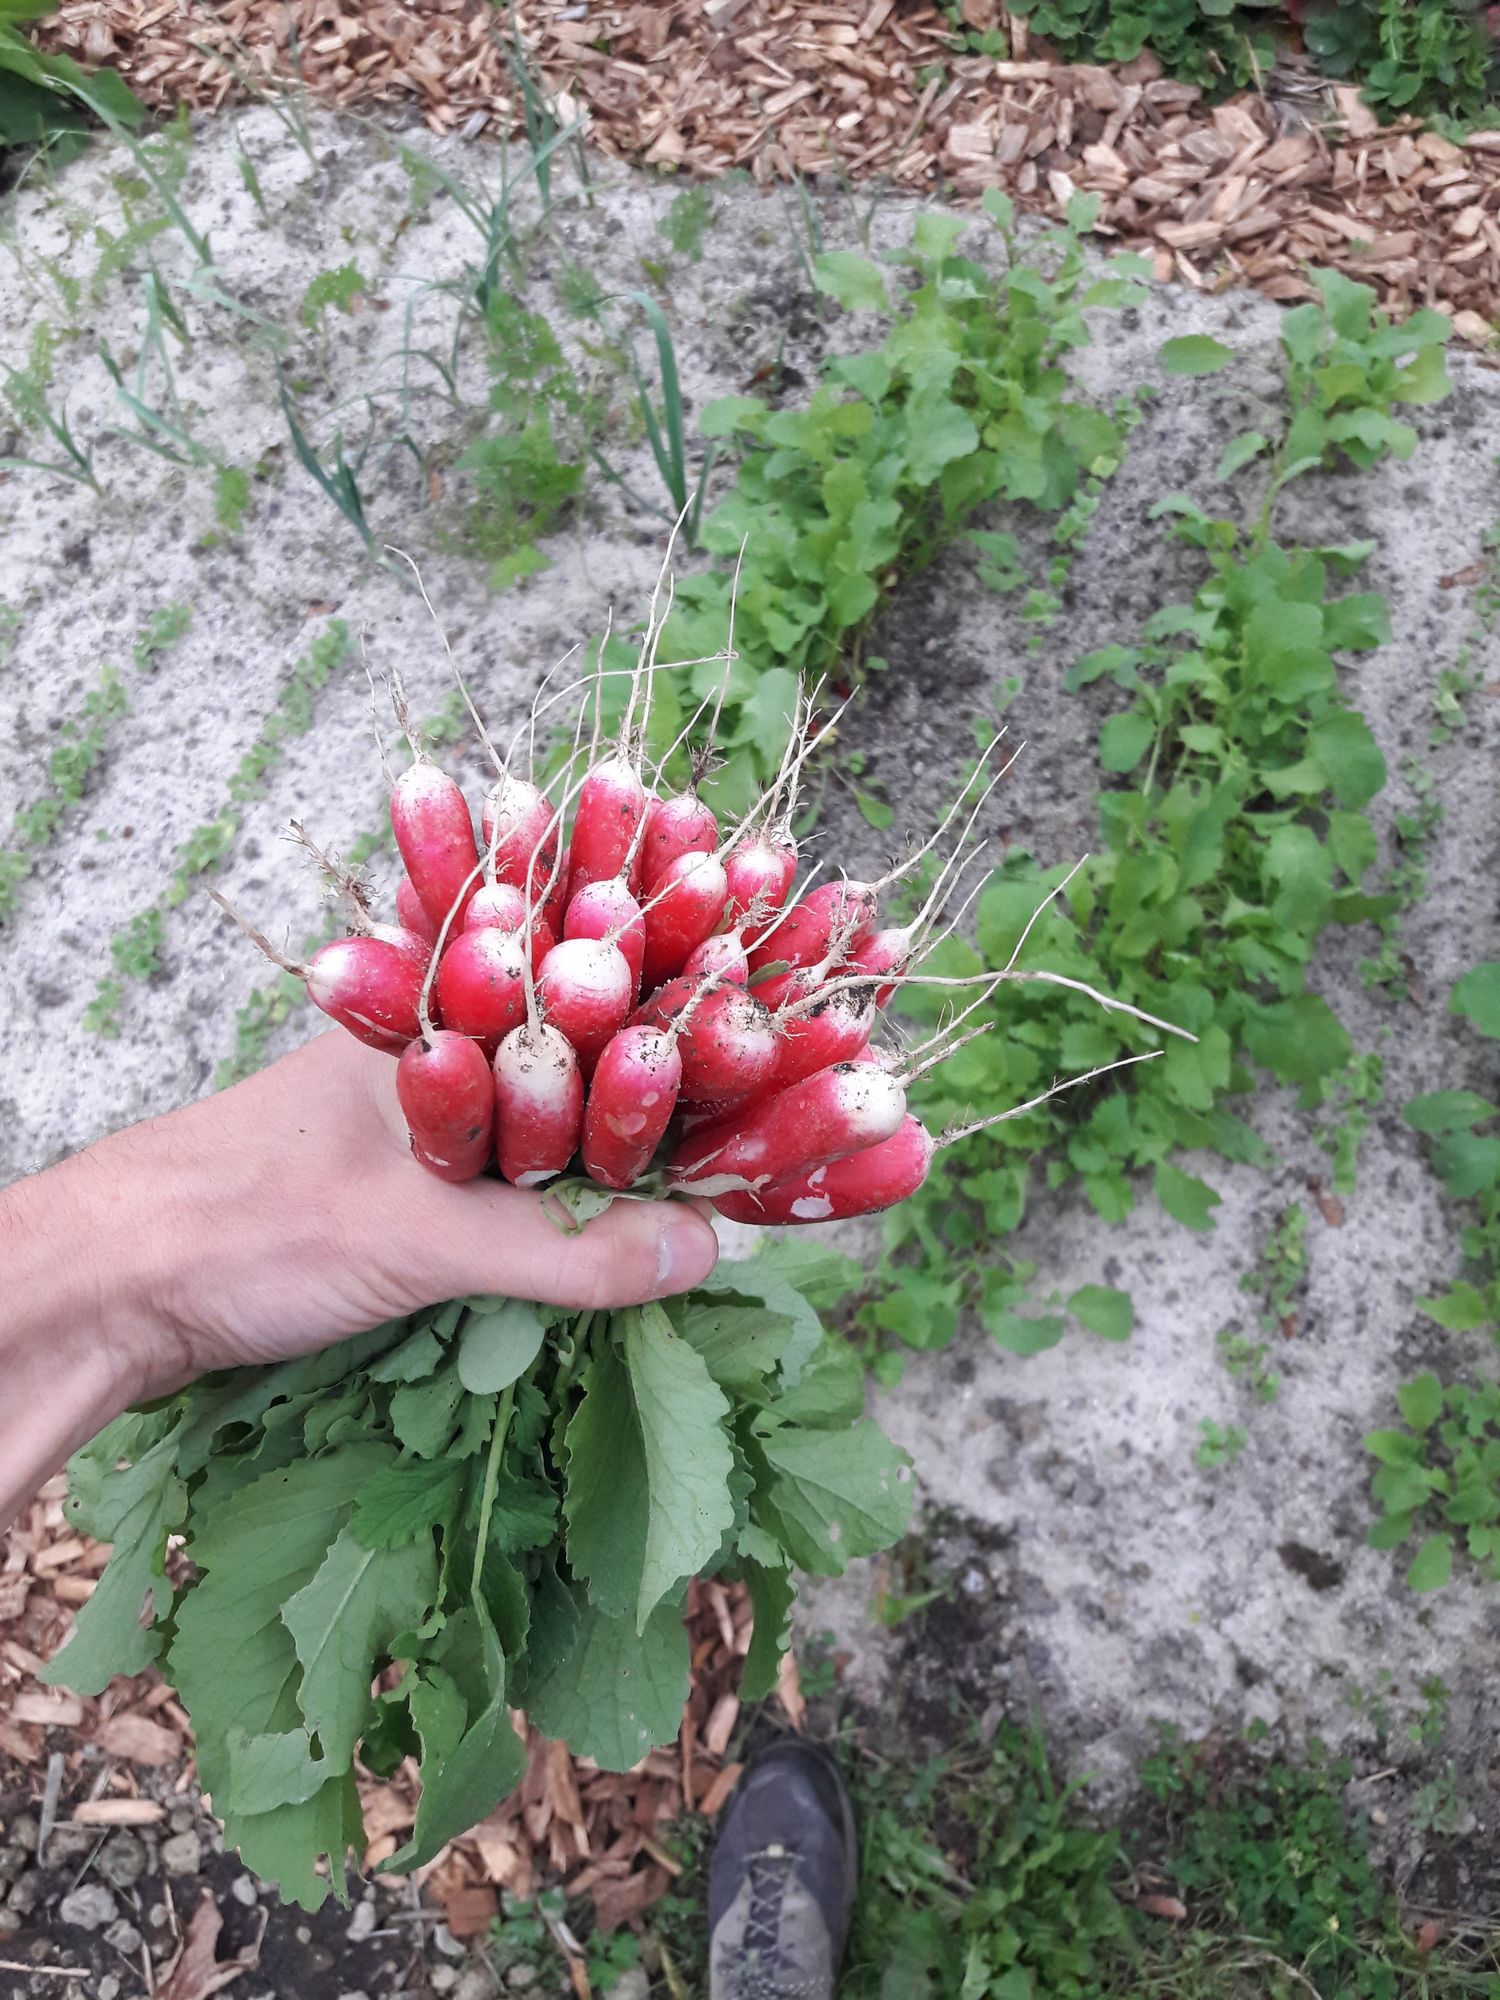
point(441, 1978)
point(357, 1994)
point(182, 1854)
point(122, 1860)
point(156, 1916)
point(69, 1843)
point(477, 1982)
point(90, 1906)
point(304, 1934)
point(10, 1920)
point(243, 1890)
point(181, 1819)
point(12, 1864)
point(631, 1985)
point(24, 1894)
point(124, 1937)
point(109, 1987)
point(362, 1922)
point(448, 1944)
point(24, 1832)
point(520, 1977)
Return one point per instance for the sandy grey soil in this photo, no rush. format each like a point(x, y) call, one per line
point(1098, 1572)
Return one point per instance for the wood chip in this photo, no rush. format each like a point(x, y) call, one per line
point(118, 1812)
point(138, 1741)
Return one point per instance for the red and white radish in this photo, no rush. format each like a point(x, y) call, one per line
point(684, 912)
point(446, 1091)
point(675, 826)
point(538, 1104)
point(612, 804)
point(838, 1111)
point(481, 985)
point(858, 1184)
point(630, 1100)
point(410, 914)
point(586, 990)
point(430, 819)
point(608, 910)
point(371, 987)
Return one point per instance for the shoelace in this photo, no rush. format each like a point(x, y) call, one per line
point(763, 1974)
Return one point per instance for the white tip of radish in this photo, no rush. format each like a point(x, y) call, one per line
point(535, 1177)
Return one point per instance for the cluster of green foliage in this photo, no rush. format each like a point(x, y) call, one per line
point(1407, 55)
point(963, 402)
point(982, 1876)
point(46, 100)
point(510, 1500)
point(135, 947)
point(83, 741)
point(1241, 835)
point(1440, 1476)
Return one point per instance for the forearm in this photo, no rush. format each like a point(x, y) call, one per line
point(69, 1326)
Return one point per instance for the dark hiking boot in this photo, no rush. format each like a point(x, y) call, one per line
point(781, 1888)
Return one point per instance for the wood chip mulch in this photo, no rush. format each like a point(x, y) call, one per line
point(1246, 192)
point(119, 1760)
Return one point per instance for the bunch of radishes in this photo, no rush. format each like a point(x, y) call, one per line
point(644, 994)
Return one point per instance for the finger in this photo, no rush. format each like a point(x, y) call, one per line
point(485, 1237)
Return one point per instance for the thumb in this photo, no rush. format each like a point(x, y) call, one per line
point(485, 1237)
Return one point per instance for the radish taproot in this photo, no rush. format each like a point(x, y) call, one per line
point(631, 1099)
point(838, 1111)
point(481, 985)
point(860, 1183)
point(538, 1104)
point(371, 987)
point(433, 829)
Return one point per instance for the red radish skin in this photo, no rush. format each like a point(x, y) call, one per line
point(832, 1031)
point(371, 987)
point(413, 943)
point(859, 1184)
point(524, 834)
point(500, 906)
point(608, 910)
point(687, 909)
point(729, 1046)
point(883, 951)
point(724, 956)
point(803, 937)
point(447, 1095)
point(838, 1111)
point(674, 827)
point(586, 990)
point(481, 986)
point(760, 872)
point(430, 819)
point(538, 1104)
point(632, 1096)
point(612, 801)
point(661, 1008)
point(409, 912)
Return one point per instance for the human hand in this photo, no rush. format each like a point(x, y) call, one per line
point(265, 1222)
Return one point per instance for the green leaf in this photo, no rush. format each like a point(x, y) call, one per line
point(853, 281)
point(611, 1693)
point(496, 1347)
point(1194, 354)
point(833, 1495)
point(830, 1392)
point(1299, 1040)
point(1185, 1198)
point(118, 1629)
point(740, 1343)
point(342, 1622)
point(1432, 1565)
point(1104, 1311)
point(1348, 752)
point(608, 1500)
point(464, 1775)
point(1238, 452)
point(1022, 1333)
point(423, 1413)
point(1125, 739)
point(773, 1592)
point(1447, 1111)
point(1461, 1309)
point(1467, 1163)
point(938, 431)
point(1421, 1401)
point(726, 414)
point(681, 1412)
point(1477, 997)
point(400, 1502)
point(260, 1545)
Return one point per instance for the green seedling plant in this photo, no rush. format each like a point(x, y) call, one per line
point(1279, 1272)
point(83, 745)
point(1234, 831)
point(1246, 1360)
point(1219, 1445)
